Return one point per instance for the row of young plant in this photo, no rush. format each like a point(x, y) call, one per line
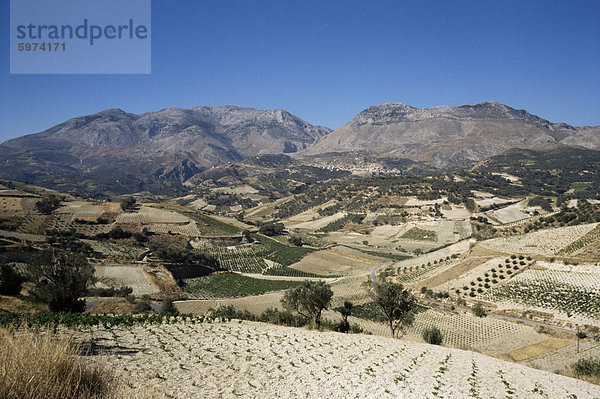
point(547, 294)
point(409, 274)
point(251, 259)
point(86, 319)
point(494, 276)
point(584, 241)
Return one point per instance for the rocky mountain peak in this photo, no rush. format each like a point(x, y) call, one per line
point(390, 113)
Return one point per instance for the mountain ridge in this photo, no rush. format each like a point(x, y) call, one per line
point(449, 136)
point(171, 144)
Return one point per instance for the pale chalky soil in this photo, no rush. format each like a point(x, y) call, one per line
point(254, 360)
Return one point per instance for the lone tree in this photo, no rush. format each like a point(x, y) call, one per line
point(47, 204)
point(61, 278)
point(345, 311)
point(397, 304)
point(10, 279)
point(271, 228)
point(308, 299)
point(127, 203)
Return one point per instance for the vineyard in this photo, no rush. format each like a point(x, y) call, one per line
point(209, 359)
point(150, 215)
point(85, 211)
point(546, 242)
point(460, 330)
point(242, 258)
point(570, 293)
point(188, 229)
point(233, 285)
point(261, 258)
point(589, 238)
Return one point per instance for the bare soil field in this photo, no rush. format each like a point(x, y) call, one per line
point(10, 204)
point(254, 304)
point(451, 278)
point(511, 213)
point(457, 212)
point(128, 275)
point(250, 360)
point(245, 189)
point(335, 262)
point(316, 224)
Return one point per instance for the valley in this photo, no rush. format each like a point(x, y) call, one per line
point(500, 255)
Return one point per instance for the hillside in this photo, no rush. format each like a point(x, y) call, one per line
point(447, 136)
point(257, 360)
point(123, 152)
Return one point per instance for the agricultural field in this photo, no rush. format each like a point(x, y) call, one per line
point(255, 304)
point(460, 330)
point(337, 261)
point(125, 275)
point(225, 285)
point(265, 257)
point(211, 227)
point(591, 237)
point(547, 242)
point(317, 223)
point(150, 215)
point(569, 295)
point(510, 214)
point(189, 229)
point(482, 274)
point(242, 359)
point(82, 210)
point(10, 204)
point(419, 234)
point(456, 213)
point(431, 257)
point(115, 249)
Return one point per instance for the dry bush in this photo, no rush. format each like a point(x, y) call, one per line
point(44, 366)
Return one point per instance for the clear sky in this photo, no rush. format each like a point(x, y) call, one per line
point(325, 61)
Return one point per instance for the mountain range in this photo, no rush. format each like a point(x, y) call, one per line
point(123, 152)
point(447, 137)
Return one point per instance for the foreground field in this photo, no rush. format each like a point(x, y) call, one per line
point(243, 359)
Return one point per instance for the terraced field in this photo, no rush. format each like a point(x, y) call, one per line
point(128, 275)
point(243, 359)
point(149, 215)
point(233, 285)
point(563, 293)
point(546, 242)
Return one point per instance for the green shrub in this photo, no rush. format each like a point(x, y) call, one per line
point(10, 280)
point(433, 335)
point(589, 367)
point(167, 306)
point(142, 306)
point(478, 310)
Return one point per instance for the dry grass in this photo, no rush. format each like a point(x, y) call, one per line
point(44, 366)
point(535, 350)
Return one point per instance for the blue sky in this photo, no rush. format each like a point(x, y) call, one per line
point(327, 61)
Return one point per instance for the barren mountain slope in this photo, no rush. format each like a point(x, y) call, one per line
point(448, 136)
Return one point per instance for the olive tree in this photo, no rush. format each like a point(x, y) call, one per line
point(61, 278)
point(308, 299)
point(397, 303)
